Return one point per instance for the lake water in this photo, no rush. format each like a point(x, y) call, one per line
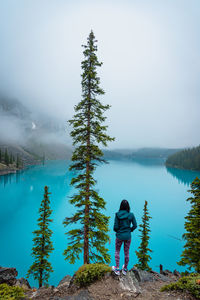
point(164, 189)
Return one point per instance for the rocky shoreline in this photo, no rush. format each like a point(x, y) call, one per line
point(26, 159)
point(136, 284)
point(8, 171)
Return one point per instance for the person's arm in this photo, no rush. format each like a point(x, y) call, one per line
point(116, 224)
point(134, 223)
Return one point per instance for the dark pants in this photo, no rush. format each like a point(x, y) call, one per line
point(118, 244)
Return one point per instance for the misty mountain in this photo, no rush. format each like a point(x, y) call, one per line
point(40, 135)
point(12, 107)
point(33, 131)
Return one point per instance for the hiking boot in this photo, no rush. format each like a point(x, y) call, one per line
point(124, 270)
point(116, 271)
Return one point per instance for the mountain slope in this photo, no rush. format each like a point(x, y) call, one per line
point(37, 134)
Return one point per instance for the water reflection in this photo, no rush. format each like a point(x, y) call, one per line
point(183, 176)
point(10, 178)
point(20, 200)
point(149, 162)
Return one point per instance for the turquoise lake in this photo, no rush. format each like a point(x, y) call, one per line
point(164, 189)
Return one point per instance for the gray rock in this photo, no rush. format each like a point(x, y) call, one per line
point(163, 277)
point(166, 273)
point(142, 276)
point(72, 283)
point(43, 293)
point(22, 282)
point(129, 283)
point(8, 275)
point(65, 281)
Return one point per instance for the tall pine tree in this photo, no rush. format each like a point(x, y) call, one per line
point(87, 133)
point(191, 253)
point(42, 247)
point(142, 254)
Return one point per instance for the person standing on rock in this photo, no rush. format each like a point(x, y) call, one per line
point(122, 226)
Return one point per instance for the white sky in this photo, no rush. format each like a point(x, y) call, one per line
point(151, 71)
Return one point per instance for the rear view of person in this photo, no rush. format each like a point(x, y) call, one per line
point(122, 226)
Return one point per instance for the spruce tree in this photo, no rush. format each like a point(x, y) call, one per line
point(6, 157)
point(11, 159)
point(88, 132)
point(17, 162)
point(191, 253)
point(43, 246)
point(142, 254)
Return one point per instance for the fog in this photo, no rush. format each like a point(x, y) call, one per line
point(11, 130)
point(151, 65)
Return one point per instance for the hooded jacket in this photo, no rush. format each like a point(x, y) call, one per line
point(122, 224)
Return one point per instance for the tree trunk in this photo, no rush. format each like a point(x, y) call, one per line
point(86, 227)
point(40, 279)
point(87, 208)
point(43, 242)
point(86, 238)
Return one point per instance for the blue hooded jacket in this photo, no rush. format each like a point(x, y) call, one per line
point(122, 224)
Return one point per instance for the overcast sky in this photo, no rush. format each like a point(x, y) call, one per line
point(151, 63)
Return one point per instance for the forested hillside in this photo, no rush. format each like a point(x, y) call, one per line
point(185, 159)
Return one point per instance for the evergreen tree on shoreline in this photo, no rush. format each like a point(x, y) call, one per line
point(17, 162)
point(42, 247)
point(142, 254)
point(11, 159)
point(87, 133)
point(191, 253)
point(6, 157)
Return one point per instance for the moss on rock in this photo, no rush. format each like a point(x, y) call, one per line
point(89, 273)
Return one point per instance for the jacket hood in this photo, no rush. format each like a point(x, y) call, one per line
point(122, 214)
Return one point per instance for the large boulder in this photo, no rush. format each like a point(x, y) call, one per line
point(145, 276)
point(8, 275)
point(129, 285)
point(22, 282)
point(142, 276)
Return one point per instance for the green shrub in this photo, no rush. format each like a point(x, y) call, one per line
point(11, 292)
point(89, 273)
point(186, 283)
